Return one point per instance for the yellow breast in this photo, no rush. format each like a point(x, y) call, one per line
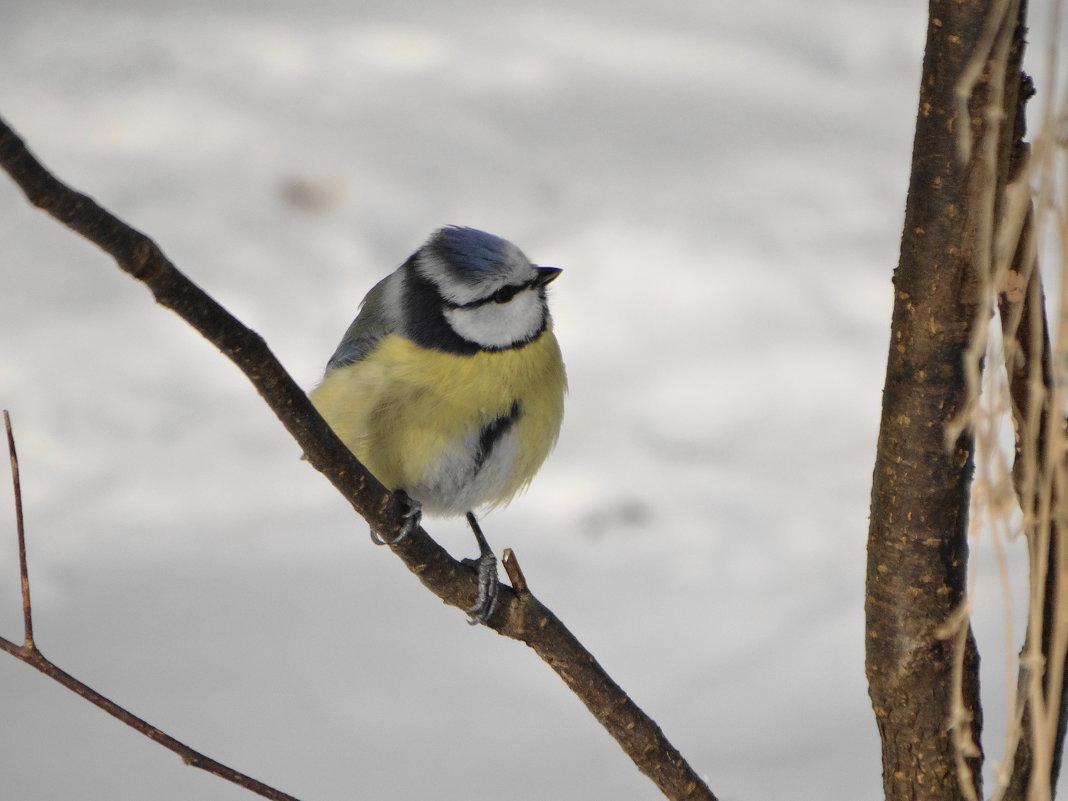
point(413, 416)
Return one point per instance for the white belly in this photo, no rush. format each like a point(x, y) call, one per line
point(459, 482)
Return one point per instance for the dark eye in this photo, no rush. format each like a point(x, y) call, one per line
point(504, 294)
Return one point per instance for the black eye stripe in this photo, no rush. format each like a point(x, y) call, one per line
point(502, 295)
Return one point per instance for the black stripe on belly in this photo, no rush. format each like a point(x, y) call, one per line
point(492, 432)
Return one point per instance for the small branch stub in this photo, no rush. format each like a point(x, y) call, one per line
point(515, 573)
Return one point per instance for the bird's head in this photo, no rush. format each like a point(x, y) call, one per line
point(488, 293)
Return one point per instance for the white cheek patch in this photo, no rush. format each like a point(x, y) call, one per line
point(500, 325)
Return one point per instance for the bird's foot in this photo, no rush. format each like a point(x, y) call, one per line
point(412, 514)
point(488, 583)
point(488, 587)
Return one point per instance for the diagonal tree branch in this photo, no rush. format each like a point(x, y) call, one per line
point(32, 656)
point(519, 616)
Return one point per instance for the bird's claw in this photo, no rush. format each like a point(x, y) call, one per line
point(412, 514)
point(488, 588)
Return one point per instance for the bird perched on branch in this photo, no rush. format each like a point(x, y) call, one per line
point(449, 384)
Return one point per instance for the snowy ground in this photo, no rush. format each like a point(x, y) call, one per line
point(723, 184)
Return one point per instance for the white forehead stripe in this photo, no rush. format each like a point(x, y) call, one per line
point(461, 288)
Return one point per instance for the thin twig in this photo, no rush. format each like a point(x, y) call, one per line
point(20, 527)
point(31, 655)
point(1040, 720)
point(520, 617)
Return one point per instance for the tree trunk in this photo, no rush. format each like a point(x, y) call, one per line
point(922, 663)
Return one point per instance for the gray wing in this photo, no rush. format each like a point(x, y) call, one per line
point(371, 325)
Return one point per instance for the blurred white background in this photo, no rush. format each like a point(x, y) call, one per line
point(724, 187)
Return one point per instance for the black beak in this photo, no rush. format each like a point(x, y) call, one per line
point(546, 274)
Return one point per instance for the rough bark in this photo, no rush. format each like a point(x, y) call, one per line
point(922, 662)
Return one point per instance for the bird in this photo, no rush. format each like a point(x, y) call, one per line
point(449, 385)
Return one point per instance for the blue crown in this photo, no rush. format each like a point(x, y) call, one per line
point(469, 253)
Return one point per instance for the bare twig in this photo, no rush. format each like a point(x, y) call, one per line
point(33, 657)
point(20, 527)
point(29, 653)
point(521, 617)
point(1035, 368)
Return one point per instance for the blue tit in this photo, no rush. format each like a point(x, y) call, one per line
point(449, 384)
